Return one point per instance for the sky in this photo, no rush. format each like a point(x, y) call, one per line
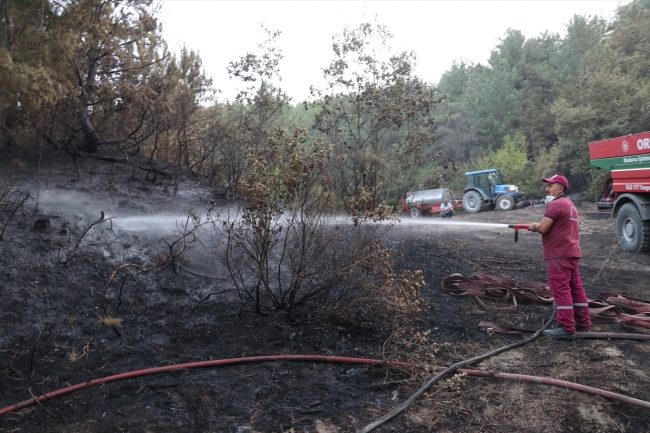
point(439, 32)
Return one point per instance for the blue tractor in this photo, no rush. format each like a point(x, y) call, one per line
point(486, 190)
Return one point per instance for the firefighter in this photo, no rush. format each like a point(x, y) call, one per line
point(560, 230)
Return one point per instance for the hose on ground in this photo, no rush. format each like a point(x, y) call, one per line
point(309, 358)
point(399, 409)
point(556, 382)
point(330, 359)
point(200, 364)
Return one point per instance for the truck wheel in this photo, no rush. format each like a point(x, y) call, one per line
point(633, 232)
point(416, 212)
point(505, 202)
point(472, 202)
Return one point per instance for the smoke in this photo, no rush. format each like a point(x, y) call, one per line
point(62, 201)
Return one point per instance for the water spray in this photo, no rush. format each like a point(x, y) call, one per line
point(518, 227)
point(442, 222)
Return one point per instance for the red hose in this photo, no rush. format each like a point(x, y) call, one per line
point(201, 364)
point(613, 336)
point(316, 358)
point(556, 382)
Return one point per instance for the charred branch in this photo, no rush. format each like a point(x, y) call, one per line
point(99, 221)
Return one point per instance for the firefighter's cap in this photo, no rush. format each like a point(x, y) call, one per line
point(558, 178)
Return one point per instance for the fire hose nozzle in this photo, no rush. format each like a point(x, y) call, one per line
point(518, 227)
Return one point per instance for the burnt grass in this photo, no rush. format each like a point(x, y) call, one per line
point(52, 335)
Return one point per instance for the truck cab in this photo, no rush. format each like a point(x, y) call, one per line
point(486, 190)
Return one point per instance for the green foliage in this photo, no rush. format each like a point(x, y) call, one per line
point(610, 96)
point(456, 138)
point(512, 159)
point(512, 156)
point(581, 46)
point(25, 66)
point(546, 165)
point(559, 93)
point(594, 192)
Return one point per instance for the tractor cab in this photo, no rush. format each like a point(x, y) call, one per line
point(485, 190)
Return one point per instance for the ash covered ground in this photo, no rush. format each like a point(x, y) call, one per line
point(53, 298)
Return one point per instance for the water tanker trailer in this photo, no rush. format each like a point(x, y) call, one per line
point(428, 201)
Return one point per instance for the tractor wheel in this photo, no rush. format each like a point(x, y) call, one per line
point(633, 232)
point(416, 212)
point(472, 202)
point(505, 202)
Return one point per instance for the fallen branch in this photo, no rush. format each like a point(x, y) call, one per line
point(211, 294)
point(124, 266)
point(99, 221)
point(119, 297)
point(41, 404)
point(153, 170)
point(176, 248)
point(17, 204)
point(31, 358)
point(196, 274)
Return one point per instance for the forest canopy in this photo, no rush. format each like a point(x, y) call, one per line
point(89, 75)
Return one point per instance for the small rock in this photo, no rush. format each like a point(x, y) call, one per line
point(11, 274)
point(42, 223)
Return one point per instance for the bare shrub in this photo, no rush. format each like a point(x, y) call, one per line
point(373, 295)
point(284, 247)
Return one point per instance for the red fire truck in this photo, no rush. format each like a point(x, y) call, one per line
point(627, 191)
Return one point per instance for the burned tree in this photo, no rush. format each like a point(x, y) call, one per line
point(89, 73)
point(375, 111)
point(112, 51)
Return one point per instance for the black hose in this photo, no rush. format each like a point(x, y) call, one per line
point(399, 409)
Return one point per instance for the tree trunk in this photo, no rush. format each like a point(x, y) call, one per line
point(91, 141)
point(9, 26)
